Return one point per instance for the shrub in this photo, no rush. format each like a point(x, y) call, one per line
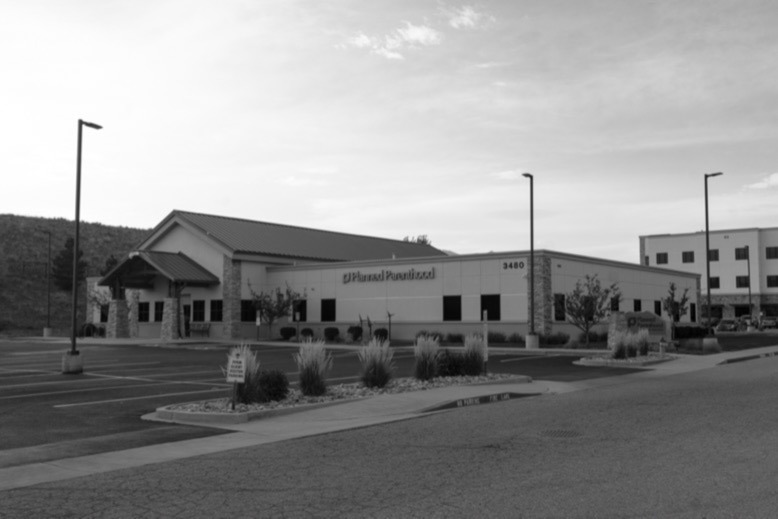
point(455, 338)
point(313, 363)
point(619, 351)
point(690, 332)
point(382, 334)
point(249, 391)
point(593, 337)
point(331, 334)
point(273, 385)
point(496, 338)
point(450, 364)
point(354, 333)
point(516, 338)
point(431, 335)
point(425, 351)
point(626, 344)
point(287, 332)
point(306, 333)
point(554, 339)
point(376, 361)
point(474, 354)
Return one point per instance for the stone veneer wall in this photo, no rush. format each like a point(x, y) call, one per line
point(169, 329)
point(118, 324)
point(729, 302)
point(231, 285)
point(544, 299)
point(133, 297)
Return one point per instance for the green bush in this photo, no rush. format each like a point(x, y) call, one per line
point(313, 363)
point(516, 338)
point(382, 334)
point(473, 356)
point(354, 333)
point(306, 333)
point(376, 361)
point(554, 339)
point(593, 337)
point(497, 338)
point(331, 334)
point(450, 364)
point(455, 338)
point(690, 332)
point(287, 332)
point(426, 351)
point(620, 351)
point(273, 385)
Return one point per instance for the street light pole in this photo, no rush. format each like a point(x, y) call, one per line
point(48, 286)
point(748, 264)
point(531, 338)
point(707, 248)
point(69, 363)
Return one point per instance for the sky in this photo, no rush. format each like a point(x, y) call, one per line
point(398, 118)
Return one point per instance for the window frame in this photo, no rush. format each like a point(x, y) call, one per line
point(662, 258)
point(488, 303)
point(329, 315)
point(198, 311)
point(687, 256)
point(742, 282)
point(216, 310)
point(143, 311)
point(452, 308)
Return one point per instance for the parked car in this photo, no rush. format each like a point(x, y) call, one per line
point(769, 322)
point(727, 325)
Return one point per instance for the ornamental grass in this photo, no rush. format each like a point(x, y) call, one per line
point(474, 355)
point(250, 391)
point(426, 351)
point(313, 364)
point(377, 365)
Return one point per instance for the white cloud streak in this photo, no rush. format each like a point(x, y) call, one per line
point(770, 181)
point(466, 17)
point(395, 44)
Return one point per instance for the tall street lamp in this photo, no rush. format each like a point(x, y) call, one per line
point(531, 340)
point(750, 310)
point(71, 362)
point(707, 248)
point(47, 329)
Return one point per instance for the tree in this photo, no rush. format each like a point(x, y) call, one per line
point(274, 304)
point(422, 239)
point(588, 304)
point(675, 309)
point(62, 267)
point(110, 263)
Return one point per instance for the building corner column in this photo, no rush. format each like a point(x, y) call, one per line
point(231, 297)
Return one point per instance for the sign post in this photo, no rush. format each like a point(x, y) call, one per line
point(236, 373)
point(486, 342)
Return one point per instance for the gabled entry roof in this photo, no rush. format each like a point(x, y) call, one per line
point(140, 269)
point(240, 236)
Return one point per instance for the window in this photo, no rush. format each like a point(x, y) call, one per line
point(771, 252)
point(198, 311)
point(159, 311)
point(300, 311)
point(713, 255)
point(741, 281)
point(104, 312)
point(715, 283)
point(247, 311)
point(559, 307)
point(452, 308)
point(693, 312)
point(491, 304)
point(143, 312)
point(217, 310)
point(661, 258)
point(637, 305)
point(328, 310)
point(687, 256)
point(614, 304)
point(772, 281)
point(645, 261)
point(741, 253)
point(658, 307)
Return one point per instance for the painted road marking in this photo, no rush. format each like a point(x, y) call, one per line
point(519, 359)
point(221, 390)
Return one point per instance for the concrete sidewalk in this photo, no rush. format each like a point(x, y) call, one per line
point(342, 416)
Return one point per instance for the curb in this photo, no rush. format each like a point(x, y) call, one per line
point(478, 400)
point(748, 357)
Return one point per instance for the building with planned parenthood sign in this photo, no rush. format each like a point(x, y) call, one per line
point(195, 274)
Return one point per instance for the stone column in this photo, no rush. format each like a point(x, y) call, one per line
point(169, 329)
point(118, 323)
point(544, 299)
point(231, 285)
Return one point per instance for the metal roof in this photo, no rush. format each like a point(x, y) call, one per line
point(139, 270)
point(254, 237)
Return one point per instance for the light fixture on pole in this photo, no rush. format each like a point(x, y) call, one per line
point(531, 339)
point(71, 362)
point(707, 250)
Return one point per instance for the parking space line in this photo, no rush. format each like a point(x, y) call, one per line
point(519, 359)
point(148, 397)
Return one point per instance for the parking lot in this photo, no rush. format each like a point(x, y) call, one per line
point(47, 415)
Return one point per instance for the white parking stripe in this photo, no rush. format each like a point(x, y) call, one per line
point(222, 390)
point(519, 359)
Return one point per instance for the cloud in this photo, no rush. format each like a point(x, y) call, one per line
point(768, 182)
point(394, 44)
point(511, 174)
point(466, 17)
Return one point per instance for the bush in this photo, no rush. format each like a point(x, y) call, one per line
point(313, 363)
point(593, 337)
point(425, 351)
point(619, 351)
point(690, 332)
point(555, 339)
point(474, 354)
point(455, 338)
point(306, 333)
point(248, 392)
point(431, 335)
point(331, 334)
point(287, 332)
point(516, 338)
point(354, 333)
point(376, 361)
point(382, 334)
point(450, 364)
point(273, 385)
point(627, 344)
point(496, 338)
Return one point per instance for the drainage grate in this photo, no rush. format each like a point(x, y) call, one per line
point(561, 433)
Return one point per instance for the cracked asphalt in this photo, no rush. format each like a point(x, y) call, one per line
point(694, 445)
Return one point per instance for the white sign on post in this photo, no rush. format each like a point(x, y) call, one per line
point(236, 369)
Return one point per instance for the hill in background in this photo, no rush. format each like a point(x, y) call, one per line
point(23, 261)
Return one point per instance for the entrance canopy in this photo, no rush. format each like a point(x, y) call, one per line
point(140, 269)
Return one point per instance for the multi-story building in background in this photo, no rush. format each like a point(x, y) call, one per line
point(743, 267)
